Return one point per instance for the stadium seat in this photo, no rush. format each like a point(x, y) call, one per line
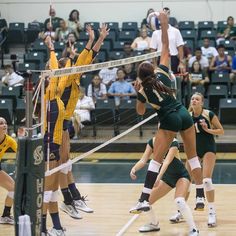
point(205, 25)
point(227, 111)
point(20, 111)
point(111, 36)
point(59, 46)
point(95, 25)
point(118, 45)
point(104, 114)
point(115, 55)
point(186, 25)
point(215, 93)
point(3, 23)
point(173, 21)
point(32, 32)
point(127, 35)
point(230, 52)
point(35, 57)
point(221, 25)
point(6, 109)
point(212, 43)
point(229, 44)
point(80, 45)
point(83, 36)
point(102, 56)
point(211, 34)
point(106, 46)
point(190, 44)
point(233, 91)
point(188, 34)
point(26, 66)
point(16, 33)
point(197, 89)
point(220, 78)
point(39, 46)
point(130, 26)
point(113, 26)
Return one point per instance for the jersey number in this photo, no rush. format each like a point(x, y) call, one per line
point(196, 128)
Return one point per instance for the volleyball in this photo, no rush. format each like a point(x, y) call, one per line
point(153, 21)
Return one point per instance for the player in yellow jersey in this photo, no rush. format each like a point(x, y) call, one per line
point(6, 182)
point(72, 196)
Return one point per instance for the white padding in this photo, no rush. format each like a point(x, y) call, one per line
point(194, 163)
point(70, 166)
point(47, 196)
point(154, 166)
point(147, 190)
point(11, 194)
point(65, 170)
point(54, 196)
point(208, 186)
point(181, 204)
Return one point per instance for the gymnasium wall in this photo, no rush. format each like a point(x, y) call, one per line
point(116, 10)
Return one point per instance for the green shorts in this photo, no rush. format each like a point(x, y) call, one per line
point(177, 120)
point(207, 147)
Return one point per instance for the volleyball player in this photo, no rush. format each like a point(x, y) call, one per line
point(173, 174)
point(155, 89)
point(206, 125)
point(55, 112)
point(70, 97)
point(6, 182)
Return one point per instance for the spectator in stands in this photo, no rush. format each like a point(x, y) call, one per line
point(221, 63)
point(71, 40)
point(233, 71)
point(128, 52)
point(229, 32)
point(108, 75)
point(176, 44)
point(130, 73)
point(172, 20)
point(121, 89)
point(199, 57)
point(197, 76)
point(208, 51)
point(141, 43)
point(11, 78)
point(144, 22)
point(62, 32)
point(48, 31)
point(53, 18)
point(97, 90)
point(82, 112)
point(74, 23)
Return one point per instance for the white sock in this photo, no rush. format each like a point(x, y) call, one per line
point(211, 208)
point(186, 212)
point(152, 216)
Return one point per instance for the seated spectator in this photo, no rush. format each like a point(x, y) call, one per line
point(144, 22)
point(71, 40)
point(73, 22)
point(55, 20)
point(233, 71)
point(141, 43)
point(97, 90)
point(62, 32)
point(128, 52)
point(11, 78)
point(47, 32)
point(121, 89)
point(130, 73)
point(198, 57)
point(229, 32)
point(82, 112)
point(197, 75)
point(208, 51)
point(221, 63)
point(108, 75)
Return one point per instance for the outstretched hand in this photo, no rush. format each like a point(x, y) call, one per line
point(104, 31)
point(132, 174)
point(72, 51)
point(137, 85)
point(48, 42)
point(90, 32)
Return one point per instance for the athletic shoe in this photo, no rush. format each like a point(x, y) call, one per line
point(139, 207)
point(211, 220)
point(199, 204)
point(82, 206)
point(70, 210)
point(149, 228)
point(176, 218)
point(7, 220)
point(194, 232)
point(56, 232)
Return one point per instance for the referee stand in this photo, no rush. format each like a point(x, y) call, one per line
point(29, 185)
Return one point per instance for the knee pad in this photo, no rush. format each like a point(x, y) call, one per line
point(181, 203)
point(10, 194)
point(154, 166)
point(65, 170)
point(194, 163)
point(70, 166)
point(47, 196)
point(54, 197)
point(208, 186)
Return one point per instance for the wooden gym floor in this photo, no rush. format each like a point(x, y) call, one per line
point(111, 203)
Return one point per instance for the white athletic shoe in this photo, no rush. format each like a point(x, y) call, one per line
point(70, 210)
point(194, 232)
point(211, 220)
point(149, 228)
point(7, 220)
point(176, 218)
point(139, 207)
point(82, 206)
point(200, 204)
point(56, 232)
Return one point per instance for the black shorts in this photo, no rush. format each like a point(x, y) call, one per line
point(0, 166)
